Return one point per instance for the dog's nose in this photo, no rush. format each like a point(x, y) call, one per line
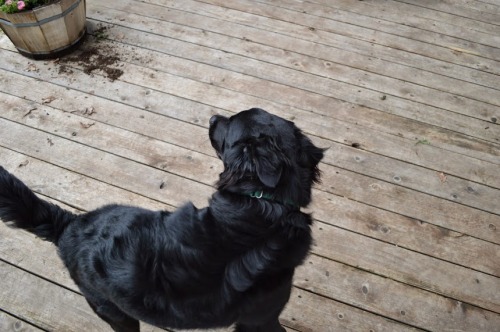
point(213, 120)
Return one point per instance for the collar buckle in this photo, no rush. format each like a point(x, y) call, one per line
point(257, 194)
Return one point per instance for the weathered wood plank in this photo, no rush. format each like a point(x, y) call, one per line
point(362, 118)
point(492, 2)
point(157, 81)
point(398, 173)
point(426, 19)
point(297, 23)
point(127, 144)
point(457, 10)
point(138, 110)
point(348, 13)
point(358, 46)
point(445, 138)
point(9, 323)
point(391, 197)
point(315, 313)
point(411, 233)
point(39, 302)
point(319, 126)
point(413, 94)
point(394, 262)
point(491, 6)
point(81, 192)
point(306, 96)
point(392, 299)
point(392, 146)
point(25, 250)
point(159, 185)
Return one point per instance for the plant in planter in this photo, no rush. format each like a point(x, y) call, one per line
point(15, 6)
point(42, 29)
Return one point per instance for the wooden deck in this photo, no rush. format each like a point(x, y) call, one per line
point(405, 94)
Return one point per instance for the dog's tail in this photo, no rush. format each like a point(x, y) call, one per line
point(22, 208)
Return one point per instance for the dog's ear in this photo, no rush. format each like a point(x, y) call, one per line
point(310, 155)
point(268, 160)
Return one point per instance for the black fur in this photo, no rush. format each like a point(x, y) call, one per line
point(231, 262)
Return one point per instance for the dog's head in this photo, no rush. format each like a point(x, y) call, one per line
point(262, 152)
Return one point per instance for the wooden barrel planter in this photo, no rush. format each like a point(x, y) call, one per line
point(48, 31)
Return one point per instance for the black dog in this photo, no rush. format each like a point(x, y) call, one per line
point(231, 262)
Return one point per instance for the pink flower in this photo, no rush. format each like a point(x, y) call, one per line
point(8, 2)
point(20, 5)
